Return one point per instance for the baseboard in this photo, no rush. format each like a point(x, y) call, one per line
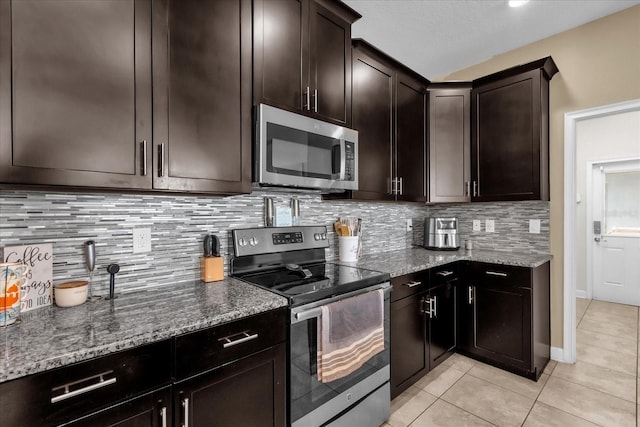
point(557, 353)
point(581, 294)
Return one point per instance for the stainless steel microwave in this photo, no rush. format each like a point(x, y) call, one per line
point(292, 150)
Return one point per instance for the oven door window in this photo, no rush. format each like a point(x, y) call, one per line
point(307, 393)
point(298, 153)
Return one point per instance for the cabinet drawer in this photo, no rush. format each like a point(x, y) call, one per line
point(499, 275)
point(408, 284)
point(200, 351)
point(70, 392)
point(443, 274)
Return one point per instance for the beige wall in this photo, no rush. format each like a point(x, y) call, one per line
point(599, 64)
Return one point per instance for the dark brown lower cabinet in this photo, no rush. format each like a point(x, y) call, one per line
point(504, 317)
point(150, 410)
point(423, 326)
point(247, 392)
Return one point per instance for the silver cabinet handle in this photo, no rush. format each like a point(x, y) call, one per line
point(228, 342)
point(163, 416)
point(315, 100)
point(495, 273)
point(185, 405)
point(444, 273)
point(467, 188)
point(412, 284)
point(401, 190)
point(475, 188)
point(143, 166)
point(434, 307)
point(95, 386)
point(470, 299)
point(307, 96)
point(161, 160)
point(394, 185)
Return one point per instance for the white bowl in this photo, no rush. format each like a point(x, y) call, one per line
point(69, 294)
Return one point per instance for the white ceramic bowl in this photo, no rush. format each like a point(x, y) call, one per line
point(69, 294)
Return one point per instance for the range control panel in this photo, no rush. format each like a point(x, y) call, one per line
point(254, 241)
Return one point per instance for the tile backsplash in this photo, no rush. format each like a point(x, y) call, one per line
point(179, 223)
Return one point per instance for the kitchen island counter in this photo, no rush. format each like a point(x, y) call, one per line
point(406, 261)
point(52, 337)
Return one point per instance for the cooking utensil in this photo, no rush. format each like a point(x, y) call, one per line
point(90, 261)
point(112, 269)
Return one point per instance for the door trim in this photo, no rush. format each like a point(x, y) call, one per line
point(568, 353)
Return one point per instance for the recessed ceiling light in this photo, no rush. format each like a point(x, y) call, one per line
point(517, 3)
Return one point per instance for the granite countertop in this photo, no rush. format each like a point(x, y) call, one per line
point(51, 337)
point(406, 261)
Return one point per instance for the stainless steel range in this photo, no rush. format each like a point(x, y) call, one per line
point(290, 261)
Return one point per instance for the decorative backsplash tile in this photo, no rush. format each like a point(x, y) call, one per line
point(179, 223)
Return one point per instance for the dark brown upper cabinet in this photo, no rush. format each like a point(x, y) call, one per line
point(449, 142)
point(389, 113)
point(510, 133)
point(302, 57)
point(201, 96)
point(78, 106)
point(75, 93)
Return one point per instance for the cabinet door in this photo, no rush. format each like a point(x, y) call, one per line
point(247, 392)
point(373, 119)
point(442, 323)
point(507, 139)
point(464, 327)
point(409, 359)
point(330, 65)
point(411, 127)
point(75, 93)
point(449, 145)
point(150, 410)
point(281, 51)
point(202, 95)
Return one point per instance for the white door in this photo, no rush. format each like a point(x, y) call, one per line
point(616, 231)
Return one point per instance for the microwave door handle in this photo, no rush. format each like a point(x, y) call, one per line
point(343, 160)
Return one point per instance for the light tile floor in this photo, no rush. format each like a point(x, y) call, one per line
point(602, 387)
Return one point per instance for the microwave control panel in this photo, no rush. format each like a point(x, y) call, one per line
point(350, 156)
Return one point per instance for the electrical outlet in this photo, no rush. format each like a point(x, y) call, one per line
point(477, 225)
point(141, 240)
point(490, 226)
point(409, 224)
point(534, 226)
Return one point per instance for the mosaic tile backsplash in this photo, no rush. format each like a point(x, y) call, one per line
point(179, 223)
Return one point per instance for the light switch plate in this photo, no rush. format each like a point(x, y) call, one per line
point(477, 225)
point(409, 224)
point(490, 226)
point(534, 226)
point(141, 240)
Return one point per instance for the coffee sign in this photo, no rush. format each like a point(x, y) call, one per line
point(38, 290)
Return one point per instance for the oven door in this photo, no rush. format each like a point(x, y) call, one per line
point(294, 150)
point(314, 403)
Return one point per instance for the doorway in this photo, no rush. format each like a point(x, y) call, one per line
point(613, 232)
point(570, 206)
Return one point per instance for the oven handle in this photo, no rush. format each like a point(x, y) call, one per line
point(301, 314)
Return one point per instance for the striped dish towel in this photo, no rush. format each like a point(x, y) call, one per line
point(350, 332)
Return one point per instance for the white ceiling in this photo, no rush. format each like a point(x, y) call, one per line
point(437, 37)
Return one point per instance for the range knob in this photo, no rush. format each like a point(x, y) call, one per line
point(253, 241)
point(317, 236)
point(324, 236)
point(242, 241)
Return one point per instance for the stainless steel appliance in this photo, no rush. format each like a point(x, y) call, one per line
point(441, 234)
point(290, 261)
point(292, 150)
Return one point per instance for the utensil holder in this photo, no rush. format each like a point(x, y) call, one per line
point(348, 248)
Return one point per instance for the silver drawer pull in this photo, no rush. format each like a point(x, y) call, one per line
point(444, 273)
point(228, 342)
point(69, 394)
point(185, 405)
point(412, 284)
point(496, 273)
